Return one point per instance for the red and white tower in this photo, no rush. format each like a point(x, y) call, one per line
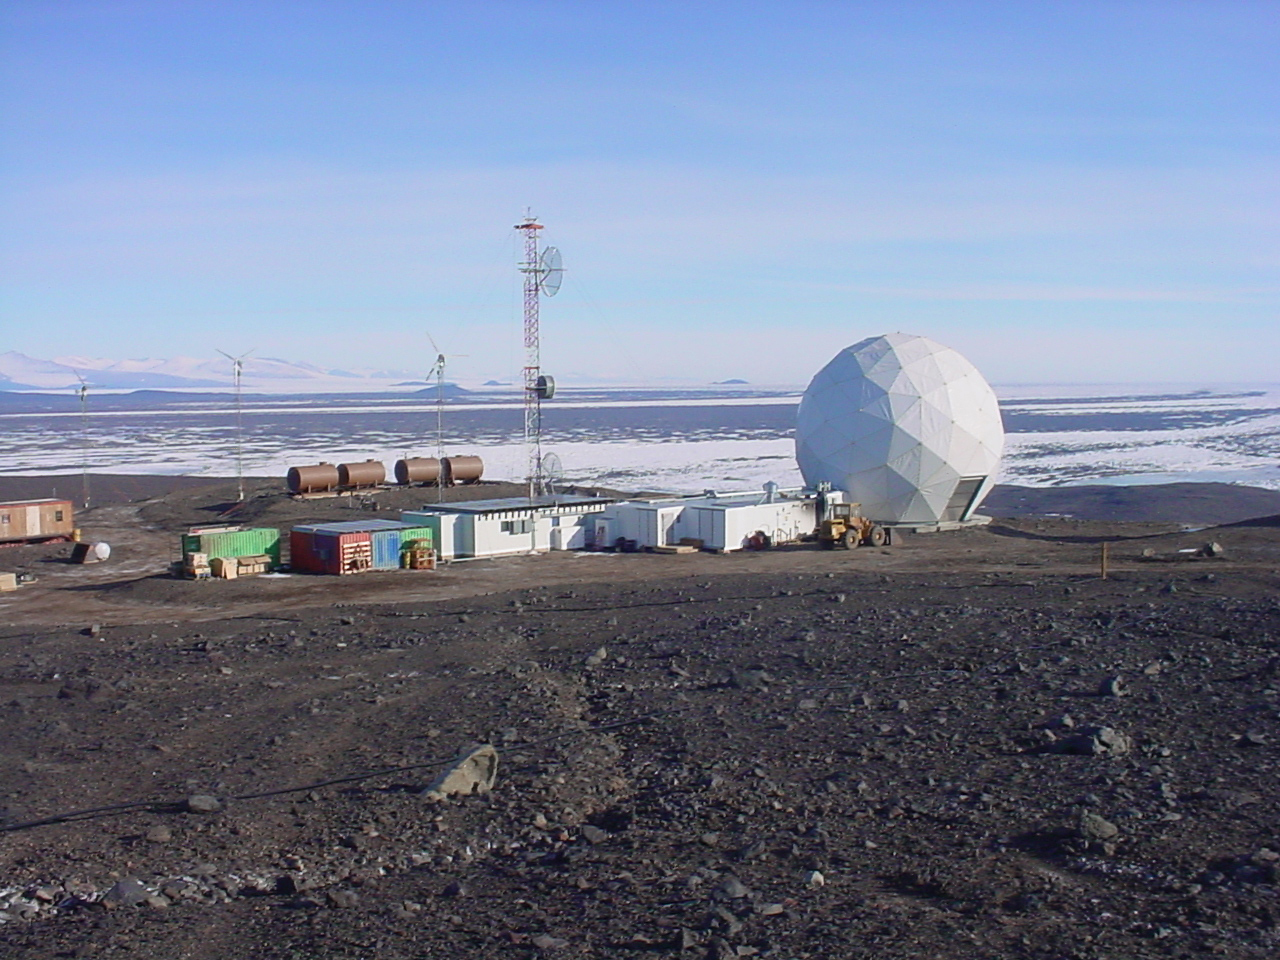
point(542, 275)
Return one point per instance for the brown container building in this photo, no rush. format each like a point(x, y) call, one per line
point(31, 521)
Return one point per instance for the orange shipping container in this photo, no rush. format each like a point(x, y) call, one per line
point(35, 520)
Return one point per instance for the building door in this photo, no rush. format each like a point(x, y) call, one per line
point(962, 497)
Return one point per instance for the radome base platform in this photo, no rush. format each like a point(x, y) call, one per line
point(940, 526)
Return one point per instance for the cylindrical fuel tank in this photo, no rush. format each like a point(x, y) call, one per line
point(462, 469)
point(418, 470)
point(323, 476)
point(367, 474)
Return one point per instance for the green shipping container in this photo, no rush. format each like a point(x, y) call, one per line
point(245, 542)
point(411, 534)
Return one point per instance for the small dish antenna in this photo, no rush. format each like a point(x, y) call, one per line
point(550, 271)
point(551, 474)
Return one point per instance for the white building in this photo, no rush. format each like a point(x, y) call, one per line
point(714, 522)
point(510, 525)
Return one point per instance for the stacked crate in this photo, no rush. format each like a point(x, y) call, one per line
point(418, 553)
point(196, 566)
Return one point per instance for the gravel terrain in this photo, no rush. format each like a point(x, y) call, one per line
point(968, 745)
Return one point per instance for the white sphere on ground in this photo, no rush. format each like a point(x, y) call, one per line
point(907, 427)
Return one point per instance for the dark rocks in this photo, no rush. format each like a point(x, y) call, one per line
point(342, 899)
point(125, 893)
point(544, 941)
point(731, 888)
point(1092, 827)
point(1113, 687)
point(1093, 742)
point(753, 679)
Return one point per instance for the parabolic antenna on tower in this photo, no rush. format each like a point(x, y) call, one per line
point(550, 271)
point(907, 427)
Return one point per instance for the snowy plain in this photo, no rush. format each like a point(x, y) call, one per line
point(675, 440)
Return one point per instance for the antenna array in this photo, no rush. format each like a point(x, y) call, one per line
point(542, 275)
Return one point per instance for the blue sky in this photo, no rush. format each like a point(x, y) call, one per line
point(1065, 192)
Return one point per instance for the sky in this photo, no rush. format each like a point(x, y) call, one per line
point(1065, 192)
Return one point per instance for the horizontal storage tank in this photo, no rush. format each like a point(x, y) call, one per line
point(334, 548)
point(318, 479)
point(367, 474)
point(36, 520)
point(418, 470)
point(216, 542)
point(462, 470)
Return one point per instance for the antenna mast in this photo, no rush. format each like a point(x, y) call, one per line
point(542, 274)
point(532, 360)
point(84, 438)
point(437, 371)
point(237, 364)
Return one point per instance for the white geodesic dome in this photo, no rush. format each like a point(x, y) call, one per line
point(907, 427)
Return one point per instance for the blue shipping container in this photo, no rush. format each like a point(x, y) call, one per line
point(386, 549)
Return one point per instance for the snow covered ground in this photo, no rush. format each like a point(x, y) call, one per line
point(661, 441)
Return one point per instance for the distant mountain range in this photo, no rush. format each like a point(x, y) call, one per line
point(20, 372)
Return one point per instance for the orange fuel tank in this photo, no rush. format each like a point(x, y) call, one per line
point(418, 470)
point(367, 474)
point(317, 479)
point(462, 470)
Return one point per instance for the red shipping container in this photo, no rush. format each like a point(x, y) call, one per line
point(315, 549)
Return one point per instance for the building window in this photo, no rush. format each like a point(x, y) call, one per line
point(57, 516)
point(515, 527)
point(4, 518)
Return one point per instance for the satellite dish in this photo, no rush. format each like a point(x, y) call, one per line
point(550, 271)
point(552, 473)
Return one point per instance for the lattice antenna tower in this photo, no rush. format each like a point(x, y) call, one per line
point(83, 392)
point(237, 366)
point(542, 275)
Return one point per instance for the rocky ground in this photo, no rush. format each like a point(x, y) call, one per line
point(968, 745)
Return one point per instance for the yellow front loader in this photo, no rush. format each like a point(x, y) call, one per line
point(846, 527)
